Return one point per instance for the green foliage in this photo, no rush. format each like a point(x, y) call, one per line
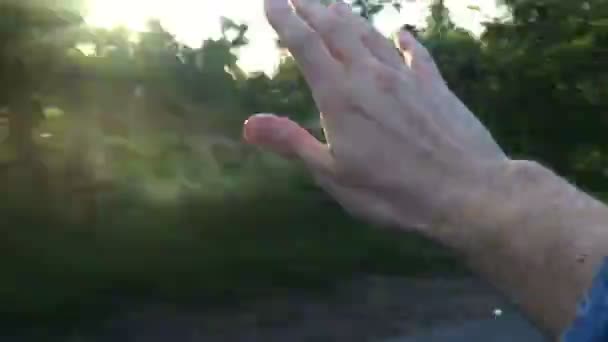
point(247, 243)
point(543, 62)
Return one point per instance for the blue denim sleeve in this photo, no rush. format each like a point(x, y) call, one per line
point(591, 322)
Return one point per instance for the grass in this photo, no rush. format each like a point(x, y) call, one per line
point(217, 251)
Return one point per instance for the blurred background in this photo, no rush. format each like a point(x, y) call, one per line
point(124, 178)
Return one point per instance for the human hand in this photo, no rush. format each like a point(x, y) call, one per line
point(401, 148)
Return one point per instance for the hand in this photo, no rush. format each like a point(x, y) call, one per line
point(402, 148)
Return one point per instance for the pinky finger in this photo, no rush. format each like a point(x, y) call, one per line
point(417, 57)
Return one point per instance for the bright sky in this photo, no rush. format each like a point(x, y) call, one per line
point(194, 20)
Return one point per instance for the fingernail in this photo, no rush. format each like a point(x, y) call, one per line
point(405, 35)
point(263, 115)
point(257, 116)
point(406, 41)
point(264, 129)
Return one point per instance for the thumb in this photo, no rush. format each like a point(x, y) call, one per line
point(289, 140)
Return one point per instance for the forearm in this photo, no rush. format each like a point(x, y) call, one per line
point(535, 237)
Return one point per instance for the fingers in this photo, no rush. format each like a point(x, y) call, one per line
point(286, 138)
point(382, 48)
point(378, 45)
point(337, 29)
point(306, 45)
point(417, 57)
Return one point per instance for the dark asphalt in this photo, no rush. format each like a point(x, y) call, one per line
point(509, 328)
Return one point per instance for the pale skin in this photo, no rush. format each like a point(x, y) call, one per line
point(403, 150)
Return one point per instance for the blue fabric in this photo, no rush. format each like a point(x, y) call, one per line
point(591, 323)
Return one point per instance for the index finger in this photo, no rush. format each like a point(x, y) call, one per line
point(305, 44)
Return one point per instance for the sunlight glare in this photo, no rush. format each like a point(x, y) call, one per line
point(193, 21)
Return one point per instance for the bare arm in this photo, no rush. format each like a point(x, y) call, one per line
point(404, 150)
point(536, 238)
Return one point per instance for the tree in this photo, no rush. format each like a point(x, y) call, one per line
point(545, 63)
point(30, 48)
point(439, 21)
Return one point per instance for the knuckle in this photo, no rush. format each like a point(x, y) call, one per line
point(300, 39)
point(332, 27)
point(369, 38)
point(386, 79)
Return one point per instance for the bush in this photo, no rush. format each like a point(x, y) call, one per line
point(275, 232)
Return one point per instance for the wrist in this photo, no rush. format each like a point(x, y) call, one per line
point(506, 194)
point(514, 191)
point(533, 235)
point(526, 192)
